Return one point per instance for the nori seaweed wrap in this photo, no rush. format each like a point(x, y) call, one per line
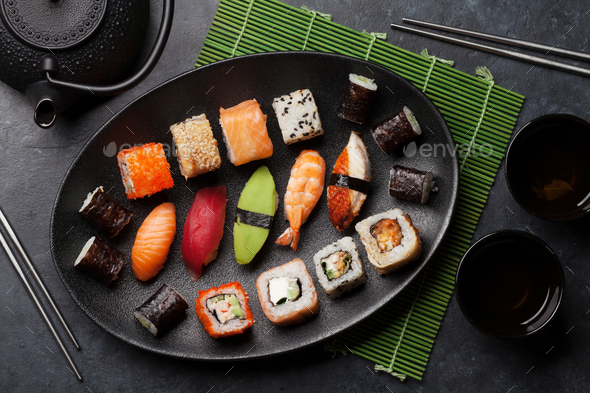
point(357, 99)
point(162, 310)
point(100, 260)
point(105, 213)
point(396, 131)
point(410, 184)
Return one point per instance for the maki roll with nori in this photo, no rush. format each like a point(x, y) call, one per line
point(162, 310)
point(411, 184)
point(298, 116)
point(224, 310)
point(105, 213)
point(396, 131)
point(391, 240)
point(357, 99)
point(287, 294)
point(339, 267)
point(100, 260)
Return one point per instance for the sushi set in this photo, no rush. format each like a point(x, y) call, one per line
point(276, 208)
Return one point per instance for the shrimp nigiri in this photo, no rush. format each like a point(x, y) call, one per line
point(153, 241)
point(305, 187)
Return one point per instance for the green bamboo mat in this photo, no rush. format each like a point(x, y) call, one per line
point(481, 116)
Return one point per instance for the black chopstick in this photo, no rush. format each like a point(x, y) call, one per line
point(504, 40)
point(498, 51)
point(31, 268)
point(32, 293)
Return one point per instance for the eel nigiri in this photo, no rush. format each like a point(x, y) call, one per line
point(304, 189)
point(203, 229)
point(349, 183)
point(153, 241)
point(244, 133)
point(256, 208)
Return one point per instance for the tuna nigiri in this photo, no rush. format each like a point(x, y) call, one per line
point(244, 133)
point(203, 229)
point(153, 241)
point(304, 189)
point(349, 183)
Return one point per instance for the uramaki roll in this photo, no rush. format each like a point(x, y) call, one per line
point(224, 310)
point(287, 294)
point(391, 240)
point(196, 147)
point(339, 267)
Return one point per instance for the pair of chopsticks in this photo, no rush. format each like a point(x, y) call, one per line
point(23, 276)
point(503, 40)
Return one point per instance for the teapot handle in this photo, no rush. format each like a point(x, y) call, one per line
point(49, 64)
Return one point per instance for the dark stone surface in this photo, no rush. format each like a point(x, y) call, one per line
point(33, 162)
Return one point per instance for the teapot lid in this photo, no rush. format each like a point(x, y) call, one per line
point(53, 24)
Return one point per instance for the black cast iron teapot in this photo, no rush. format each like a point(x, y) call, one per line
point(54, 51)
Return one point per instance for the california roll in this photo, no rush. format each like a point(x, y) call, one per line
point(224, 310)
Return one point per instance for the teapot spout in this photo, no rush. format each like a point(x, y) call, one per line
point(48, 102)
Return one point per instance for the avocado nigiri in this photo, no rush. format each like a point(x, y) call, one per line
point(256, 208)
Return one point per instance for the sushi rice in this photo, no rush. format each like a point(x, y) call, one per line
point(412, 120)
point(89, 198)
point(363, 81)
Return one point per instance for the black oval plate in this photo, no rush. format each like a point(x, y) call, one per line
point(204, 90)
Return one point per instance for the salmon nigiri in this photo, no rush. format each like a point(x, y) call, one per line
point(303, 192)
point(153, 241)
point(244, 133)
point(203, 229)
